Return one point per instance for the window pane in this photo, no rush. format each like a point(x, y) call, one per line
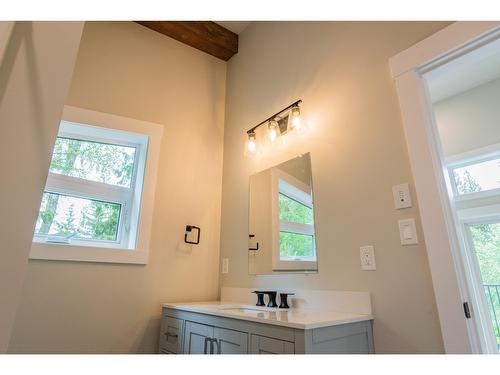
point(293, 211)
point(296, 245)
point(486, 239)
point(65, 216)
point(478, 177)
point(100, 162)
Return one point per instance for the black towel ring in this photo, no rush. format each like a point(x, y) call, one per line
point(189, 228)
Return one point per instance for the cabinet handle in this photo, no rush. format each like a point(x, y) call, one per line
point(211, 345)
point(171, 335)
point(212, 341)
point(205, 345)
point(219, 345)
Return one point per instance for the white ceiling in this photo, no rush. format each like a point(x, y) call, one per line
point(466, 72)
point(235, 26)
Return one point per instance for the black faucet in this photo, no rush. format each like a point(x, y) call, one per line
point(271, 295)
point(272, 299)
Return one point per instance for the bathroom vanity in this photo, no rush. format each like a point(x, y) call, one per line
point(228, 328)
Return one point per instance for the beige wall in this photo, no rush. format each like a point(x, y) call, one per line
point(469, 120)
point(358, 151)
point(35, 75)
point(128, 70)
point(260, 222)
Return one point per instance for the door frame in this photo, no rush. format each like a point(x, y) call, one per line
point(439, 221)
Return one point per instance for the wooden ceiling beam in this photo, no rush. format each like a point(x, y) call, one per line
point(207, 36)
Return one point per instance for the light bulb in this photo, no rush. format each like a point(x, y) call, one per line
point(251, 146)
point(273, 130)
point(296, 117)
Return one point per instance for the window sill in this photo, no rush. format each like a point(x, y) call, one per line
point(296, 265)
point(64, 252)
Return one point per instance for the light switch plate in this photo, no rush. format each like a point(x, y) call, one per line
point(367, 256)
point(408, 232)
point(401, 194)
point(225, 265)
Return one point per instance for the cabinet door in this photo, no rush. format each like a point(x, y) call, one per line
point(230, 342)
point(171, 334)
point(197, 338)
point(266, 345)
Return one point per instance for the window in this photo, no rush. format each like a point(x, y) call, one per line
point(89, 195)
point(296, 224)
point(295, 244)
point(475, 181)
point(476, 175)
point(93, 204)
point(64, 218)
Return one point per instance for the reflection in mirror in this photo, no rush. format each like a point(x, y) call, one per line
point(281, 219)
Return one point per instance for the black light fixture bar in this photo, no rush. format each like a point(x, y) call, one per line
point(294, 104)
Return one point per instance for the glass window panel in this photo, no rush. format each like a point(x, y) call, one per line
point(486, 239)
point(94, 161)
point(294, 211)
point(296, 245)
point(477, 177)
point(68, 216)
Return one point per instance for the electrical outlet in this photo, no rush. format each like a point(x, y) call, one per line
point(367, 256)
point(225, 265)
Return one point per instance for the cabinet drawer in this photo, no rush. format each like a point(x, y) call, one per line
point(171, 334)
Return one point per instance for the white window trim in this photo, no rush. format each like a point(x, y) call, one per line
point(139, 254)
point(301, 194)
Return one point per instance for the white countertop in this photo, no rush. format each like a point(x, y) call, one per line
point(293, 317)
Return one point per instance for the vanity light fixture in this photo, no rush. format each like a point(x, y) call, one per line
point(251, 142)
point(273, 126)
point(273, 130)
point(296, 117)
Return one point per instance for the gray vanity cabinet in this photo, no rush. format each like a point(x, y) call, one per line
point(205, 339)
point(266, 345)
point(231, 342)
point(197, 338)
point(185, 332)
point(171, 334)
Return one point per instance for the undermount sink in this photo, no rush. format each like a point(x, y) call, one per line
point(240, 309)
point(244, 310)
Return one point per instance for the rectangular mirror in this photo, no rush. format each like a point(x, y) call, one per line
point(281, 222)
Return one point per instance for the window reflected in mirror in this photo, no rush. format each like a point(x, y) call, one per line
point(281, 224)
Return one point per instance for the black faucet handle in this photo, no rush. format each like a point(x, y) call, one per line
point(284, 300)
point(260, 298)
point(272, 299)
